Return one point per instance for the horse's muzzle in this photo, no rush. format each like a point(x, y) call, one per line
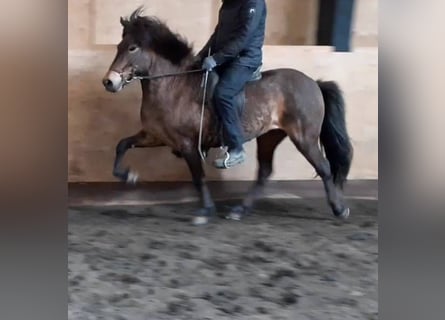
point(112, 81)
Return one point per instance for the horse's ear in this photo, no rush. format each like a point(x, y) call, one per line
point(123, 22)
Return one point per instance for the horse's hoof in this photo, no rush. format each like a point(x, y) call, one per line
point(132, 177)
point(202, 216)
point(344, 214)
point(200, 221)
point(237, 213)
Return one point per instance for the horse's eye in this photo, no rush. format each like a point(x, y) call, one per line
point(133, 48)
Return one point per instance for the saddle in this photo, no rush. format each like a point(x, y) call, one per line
point(240, 99)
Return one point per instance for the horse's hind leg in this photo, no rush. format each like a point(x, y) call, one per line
point(311, 151)
point(139, 140)
point(266, 145)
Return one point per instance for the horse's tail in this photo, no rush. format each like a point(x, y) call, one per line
point(334, 136)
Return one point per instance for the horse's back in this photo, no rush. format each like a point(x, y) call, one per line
point(289, 76)
point(283, 83)
point(282, 93)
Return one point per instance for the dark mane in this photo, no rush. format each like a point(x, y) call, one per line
point(152, 33)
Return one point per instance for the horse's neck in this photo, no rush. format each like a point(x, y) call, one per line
point(153, 93)
point(162, 91)
point(162, 66)
point(155, 90)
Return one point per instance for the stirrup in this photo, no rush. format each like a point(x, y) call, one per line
point(227, 154)
point(227, 161)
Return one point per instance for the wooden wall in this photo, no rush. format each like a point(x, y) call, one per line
point(97, 119)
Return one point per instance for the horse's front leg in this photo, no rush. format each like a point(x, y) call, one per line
point(194, 163)
point(139, 140)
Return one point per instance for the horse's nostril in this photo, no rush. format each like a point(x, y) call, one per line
point(107, 83)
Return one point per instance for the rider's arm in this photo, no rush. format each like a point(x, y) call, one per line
point(251, 13)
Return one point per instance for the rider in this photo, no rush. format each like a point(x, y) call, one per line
point(235, 54)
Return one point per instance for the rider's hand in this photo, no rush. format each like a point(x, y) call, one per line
point(196, 63)
point(209, 63)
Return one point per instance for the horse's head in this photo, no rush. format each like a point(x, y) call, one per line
point(144, 41)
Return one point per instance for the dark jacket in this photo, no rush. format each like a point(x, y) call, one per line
point(239, 34)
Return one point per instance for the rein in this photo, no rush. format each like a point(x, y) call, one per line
point(165, 75)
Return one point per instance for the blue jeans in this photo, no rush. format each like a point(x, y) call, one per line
point(232, 80)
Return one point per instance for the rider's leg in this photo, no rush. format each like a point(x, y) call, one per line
point(232, 81)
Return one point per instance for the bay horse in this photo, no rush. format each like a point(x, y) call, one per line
point(282, 103)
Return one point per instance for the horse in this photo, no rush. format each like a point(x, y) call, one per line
point(283, 103)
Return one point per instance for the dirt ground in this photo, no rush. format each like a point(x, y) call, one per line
point(290, 260)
